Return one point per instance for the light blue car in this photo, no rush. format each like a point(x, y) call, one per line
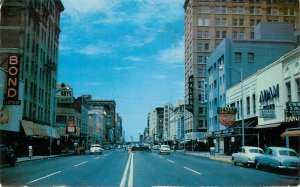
point(278, 157)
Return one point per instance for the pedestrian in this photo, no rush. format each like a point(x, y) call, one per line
point(30, 151)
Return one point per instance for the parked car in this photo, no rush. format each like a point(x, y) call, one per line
point(155, 147)
point(164, 149)
point(278, 157)
point(246, 155)
point(95, 148)
point(7, 156)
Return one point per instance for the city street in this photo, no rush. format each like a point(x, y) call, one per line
point(121, 168)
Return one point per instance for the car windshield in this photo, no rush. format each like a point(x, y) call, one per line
point(256, 151)
point(164, 146)
point(287, 153)
point(95, 145)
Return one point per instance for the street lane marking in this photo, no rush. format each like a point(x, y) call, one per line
point(81, 163)
point(97, 158)
point(43, 177)
point(160, 157)
point(123, 181)
point(130, 179)
point(192, 170)
point(171, 161)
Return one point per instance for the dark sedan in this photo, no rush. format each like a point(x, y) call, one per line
point(7, 155)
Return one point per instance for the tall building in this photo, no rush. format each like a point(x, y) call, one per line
point(155, 119)
point(30, 30)
point(206, 24)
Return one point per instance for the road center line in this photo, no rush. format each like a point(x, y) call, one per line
point(130, 179)
point(171, 161)
point(97, 158)
point(192, 170)
point(123, 181)
point(160, 157)
point(81, 163)
point(43, 177)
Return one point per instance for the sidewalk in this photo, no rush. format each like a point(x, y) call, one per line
point(25, 159)
point(206, 155)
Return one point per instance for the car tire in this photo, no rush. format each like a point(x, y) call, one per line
point(257, 165)
point(234, 163)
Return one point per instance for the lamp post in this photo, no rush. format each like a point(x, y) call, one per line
point(221, 67)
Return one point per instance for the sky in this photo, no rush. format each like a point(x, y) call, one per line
point(130, 51)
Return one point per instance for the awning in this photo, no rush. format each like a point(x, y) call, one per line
point(38, 130)
point(33, 129)
point(293, 133)
point(267, 126)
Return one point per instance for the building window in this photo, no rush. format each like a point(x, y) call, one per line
point(201, 59)
point(220, 34)
point(272, 11)
point(201, 110)
point(237, 22)
point(250, 57)
point(254, 104)
point(254, 22)
point(203, 9)
point(289, 12)
point(237, 10)
point(288, 91)
point(248, 105)
point(220, 9)
point(298, 88)
point(203, 21)
point(203, 47)
point(203, 34)
point(221, 22)
point(255, 10)
point(238, 57)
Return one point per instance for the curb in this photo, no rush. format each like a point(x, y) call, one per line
point(211, 158)
point(43, 158)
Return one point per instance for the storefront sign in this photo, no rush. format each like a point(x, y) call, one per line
point(71, 125)
point(267, 111)
point(227, 115)
point(292, 109)
point(269, 94)
point(12, 90)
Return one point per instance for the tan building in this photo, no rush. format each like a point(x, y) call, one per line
point(29, 29)
point(206, 24)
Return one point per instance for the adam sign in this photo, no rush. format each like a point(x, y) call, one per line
point(12, 91)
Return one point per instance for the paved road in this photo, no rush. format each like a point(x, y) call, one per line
point(120, 168)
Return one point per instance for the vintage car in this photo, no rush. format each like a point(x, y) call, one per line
point(246, 155)
point(278, 157)
point(7, 155)
point(164, 149)
point(95, 148)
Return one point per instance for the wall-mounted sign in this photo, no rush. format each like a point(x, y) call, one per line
point(293, 108)
point(71, 125)
point(227, 115)
point(292, 111)
point(12, 90)
point(269, 94)
point(5, 115)
point(267, 111)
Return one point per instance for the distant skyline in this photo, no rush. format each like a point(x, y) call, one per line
point(129, 51)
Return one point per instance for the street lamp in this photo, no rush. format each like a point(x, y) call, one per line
point(221, 67)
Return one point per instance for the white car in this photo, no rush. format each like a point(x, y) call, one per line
point(246, 155)
point(164, 149)
point(95, 148)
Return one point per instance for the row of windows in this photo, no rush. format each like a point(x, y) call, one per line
point(223, 22)
point(254, 10)
point(251, 1)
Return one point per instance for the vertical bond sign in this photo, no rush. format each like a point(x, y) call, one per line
point(12, 90)
point(227, 115)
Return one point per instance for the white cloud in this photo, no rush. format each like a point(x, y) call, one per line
point(95, 49)
point(173, 55)
point(122, 68)
point(133, 59)
point(79, 8)
point(160, 77)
